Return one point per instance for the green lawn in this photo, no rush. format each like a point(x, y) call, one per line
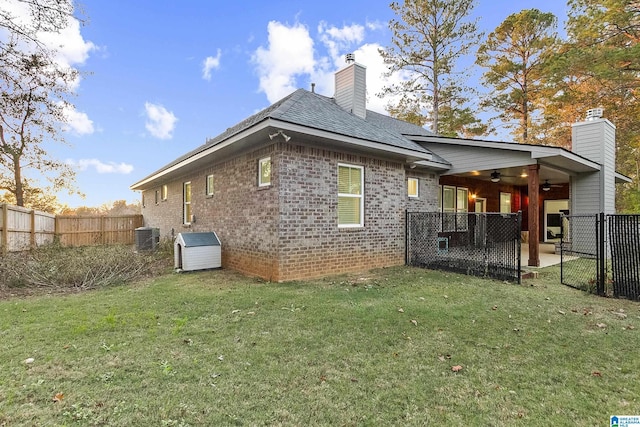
point(215, 348)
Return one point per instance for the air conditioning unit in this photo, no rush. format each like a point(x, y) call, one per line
point(147, 238)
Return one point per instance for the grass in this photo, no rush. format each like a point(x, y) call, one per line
point(216, 348)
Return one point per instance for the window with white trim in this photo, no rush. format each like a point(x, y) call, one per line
point(412, 187)
point(264, 172)
point(157, 196)
point(209, 185)
point(462, 208)
point(505, 202)
point(187, 203)
point(350, 195)
point(455, 200)
point(165, 191)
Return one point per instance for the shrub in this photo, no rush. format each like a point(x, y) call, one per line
point(88, 267)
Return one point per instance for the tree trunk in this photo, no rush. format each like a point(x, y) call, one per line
point(17, 174)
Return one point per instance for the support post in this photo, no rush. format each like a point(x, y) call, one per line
point(534, 214)
point(602, 256)
point(32, 235)
point(4, 245)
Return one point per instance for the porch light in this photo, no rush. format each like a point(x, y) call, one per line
point(546, 186)
point(495, 176)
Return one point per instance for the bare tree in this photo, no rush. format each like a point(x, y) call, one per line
point(34, 93)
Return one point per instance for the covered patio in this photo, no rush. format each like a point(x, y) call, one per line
point(540, 181)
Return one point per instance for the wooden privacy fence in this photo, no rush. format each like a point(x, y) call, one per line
point(22, 229)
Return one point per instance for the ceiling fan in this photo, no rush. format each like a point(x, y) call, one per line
point(497, 176)
point(546, 186)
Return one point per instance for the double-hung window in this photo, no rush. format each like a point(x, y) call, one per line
point(209, 185)
point(350, 196)
point(505, 202)
point(264, 172)
point(412, 187)
point(187, 203)
point(165, 192)
point(455, 200)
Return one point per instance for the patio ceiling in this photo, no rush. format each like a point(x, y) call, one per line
point(479, 159)
point(517, 175)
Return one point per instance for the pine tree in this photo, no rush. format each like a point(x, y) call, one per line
point(429, 37)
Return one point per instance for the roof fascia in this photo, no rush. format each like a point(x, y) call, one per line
point(350, 140)
point(622, 179)
point(205, 152)
point(536, 151)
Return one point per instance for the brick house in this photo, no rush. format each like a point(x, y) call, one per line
point(314, 185)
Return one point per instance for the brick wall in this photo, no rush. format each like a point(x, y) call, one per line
point(427, 200)
point(289, 230)
point(311, 244)
point(242, 214)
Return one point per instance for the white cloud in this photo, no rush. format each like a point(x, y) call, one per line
point(160, 122)
point(69, 45)
point(210, 63)
point(289, 54)
point(101, 167)
point(369, 56)
point(376, 25)
point(338, 39)
point(78, 122)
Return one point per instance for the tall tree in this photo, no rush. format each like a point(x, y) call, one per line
point(429, 37)
point(34, 94)
point(514, 55)
point(599, 66)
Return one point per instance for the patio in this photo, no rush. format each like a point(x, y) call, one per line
point(548, 256)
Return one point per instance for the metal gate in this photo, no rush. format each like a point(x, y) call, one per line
point(624, 238)
point(478, 244)
point(601, 254)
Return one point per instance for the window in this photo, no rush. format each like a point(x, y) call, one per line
point(412, 187)
point(462, 208)
point(264, 172)
point(157, 196)
point(187, 203)
point(505, 202)
point(350, 196)
point(462, 200)
point(209, 185)
point(164, 192)
point(455, 200)
point(448, 199)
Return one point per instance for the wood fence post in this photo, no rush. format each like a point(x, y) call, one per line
point(56, 229)
point(102, 238)
point(33, 229)
point(5, 229)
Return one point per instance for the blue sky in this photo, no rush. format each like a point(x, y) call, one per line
point(163, 76)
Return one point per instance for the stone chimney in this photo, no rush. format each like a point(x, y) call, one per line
point(351, 88)
point(595, 139)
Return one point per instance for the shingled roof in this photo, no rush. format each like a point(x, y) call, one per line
point(315, 111)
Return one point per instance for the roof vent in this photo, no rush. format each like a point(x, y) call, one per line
point(594, 113)
point(350, 58)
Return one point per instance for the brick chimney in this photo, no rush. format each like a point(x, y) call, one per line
point(351, 88)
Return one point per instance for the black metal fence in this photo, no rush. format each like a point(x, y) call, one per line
point(478, 244)
point(601, 254)
point(624, 240)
